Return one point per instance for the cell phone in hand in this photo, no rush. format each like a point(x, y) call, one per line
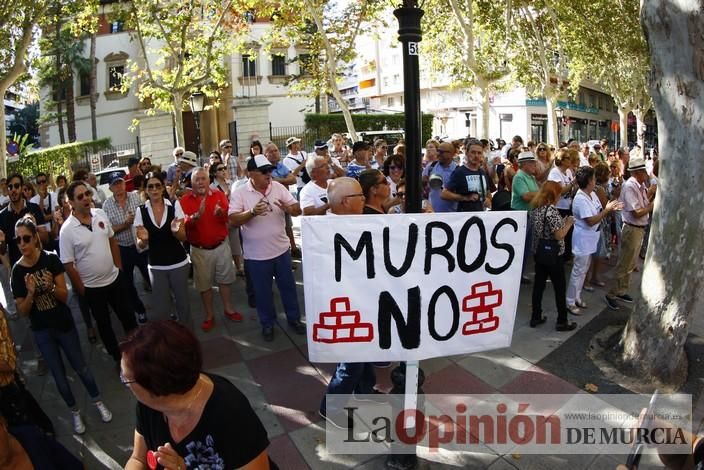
point(633, 459)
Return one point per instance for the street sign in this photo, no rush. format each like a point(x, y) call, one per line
point(411, 286)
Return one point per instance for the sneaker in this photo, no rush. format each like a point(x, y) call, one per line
point(78, 426)
point(588, 288)
point(574, 310)
point(268, 333)
point(142, 318)
point(539, 321)
point(625, 298)
point(375, 397)
point(340, 422)
point(105, 414)
point(234, 316)
point(298, 326)
point(611, 303)
point(580, 304)
point(173, 316)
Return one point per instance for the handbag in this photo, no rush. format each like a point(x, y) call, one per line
point(548, 249)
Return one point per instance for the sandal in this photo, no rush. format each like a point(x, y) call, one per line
point(540, 321)
point(569, 326)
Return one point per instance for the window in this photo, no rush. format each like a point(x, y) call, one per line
point(397, 79)
point(390, 102)
point(278, 65)
point(304, 64)
point(386, 81)
point(117, 26)
point(115, 76)
point(249, 66)
point(84, 84)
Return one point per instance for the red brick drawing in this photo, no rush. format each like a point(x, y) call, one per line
point(481, 304)
point(342, 325)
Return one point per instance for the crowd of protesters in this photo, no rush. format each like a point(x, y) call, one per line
point(231, 216)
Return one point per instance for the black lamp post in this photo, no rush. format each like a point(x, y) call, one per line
point(197, 100)
point(410, 34)
point(559, 114)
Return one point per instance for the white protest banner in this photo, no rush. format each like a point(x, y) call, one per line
point(410, 286)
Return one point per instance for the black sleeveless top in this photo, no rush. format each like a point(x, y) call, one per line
point(164, 247)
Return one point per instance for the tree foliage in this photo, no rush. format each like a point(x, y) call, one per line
point(183, 46)
point(327, 30)
point(18, 22)
point(468, 40)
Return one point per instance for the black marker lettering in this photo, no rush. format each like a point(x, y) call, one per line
point(442, 250)
point(502, 246)
point(462, 245)
point(408, 329)
point(365, 241)
point(454, 304)
point(410, 251)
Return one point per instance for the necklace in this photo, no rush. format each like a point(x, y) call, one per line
point(187, 411)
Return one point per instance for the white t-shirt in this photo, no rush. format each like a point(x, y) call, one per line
point(313, 195)
point(89, 249)
point(292, 162)
point(564, 179)
point(585, 237)
point(46, 204)
point(583, 161)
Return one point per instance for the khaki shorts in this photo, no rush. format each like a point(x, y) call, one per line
point(212, 267)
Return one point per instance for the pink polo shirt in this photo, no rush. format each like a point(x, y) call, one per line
point(264, 236)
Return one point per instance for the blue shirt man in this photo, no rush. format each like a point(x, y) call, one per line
point(437, 171)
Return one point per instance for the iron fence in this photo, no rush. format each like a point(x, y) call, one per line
point(113, 157)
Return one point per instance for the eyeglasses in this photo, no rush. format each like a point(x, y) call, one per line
point(227, 146)
point(154, 186)
point(23, 239)
point(14, 186)
point(88, 193)
point(126, 382)
point(41, 181)
point(354, 195)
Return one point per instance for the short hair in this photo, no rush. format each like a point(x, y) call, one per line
point(602, 172)
point(368, 179)
point(593, 158)
point(41, 173)
point(517, 138)
point(379, 142)
point(469, 141)
point(584, 175)
point(177, 150)
point(72, 188)
point(311, 160)
point(198, 169)
point(61, 177)
point(531, 143)
point(224, 142)
point(215, 152)
point(433, 142)
point(336, 136)
point(16, 175)
point(165, 357)
point(394, 159)
point(80, 175)
point(336, 190)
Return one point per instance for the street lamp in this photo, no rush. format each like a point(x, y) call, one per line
point(197, 100)
point(560, 114)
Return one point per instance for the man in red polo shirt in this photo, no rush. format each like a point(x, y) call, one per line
point(207, 232)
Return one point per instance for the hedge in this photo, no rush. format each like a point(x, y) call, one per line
point(328, 124)
point(56, 160)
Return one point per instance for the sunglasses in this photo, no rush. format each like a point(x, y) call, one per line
point(394, 167)
point(179, 154)
point(79, 197)
point(542, 149)
point(23, 239)
point(154, 186)
point(227, 146)
point(14, 186)
point(222, 168)
point(401, 194)
point(41, 181)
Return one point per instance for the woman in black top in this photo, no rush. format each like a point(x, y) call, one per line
point(185, 418)
point(159, 226)
point(39, 287)
point(376, 191)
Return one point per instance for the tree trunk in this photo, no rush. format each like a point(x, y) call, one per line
point(93, 89)
point(623, 125)
point(344, 107)
point(60, 119)
point(70, 105)
point(3, 139)
point(553, 138)
point(654, 338)
point(483, 86)
point(640, 124)
point(177, 99)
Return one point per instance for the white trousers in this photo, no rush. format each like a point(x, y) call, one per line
point(579, 272)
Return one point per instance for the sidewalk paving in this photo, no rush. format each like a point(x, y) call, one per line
point(285, 389)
